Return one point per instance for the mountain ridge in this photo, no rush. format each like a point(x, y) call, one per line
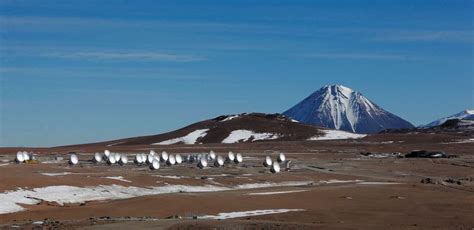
point(342, 108)
point(467, 114)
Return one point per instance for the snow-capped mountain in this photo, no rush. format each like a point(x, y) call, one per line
point(339, 107)
point(467, 114)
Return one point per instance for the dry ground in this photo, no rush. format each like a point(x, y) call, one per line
point(404, 203)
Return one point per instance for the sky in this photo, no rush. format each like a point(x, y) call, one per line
point(86, 71)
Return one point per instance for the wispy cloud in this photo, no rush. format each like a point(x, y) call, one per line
point(134, 56)
point(18, 22)
point(124, 72)
point(426, 35)
point(370, 56)
point(87, 53)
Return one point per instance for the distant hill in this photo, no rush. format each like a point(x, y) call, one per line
point(238, 128)
point(467, 114)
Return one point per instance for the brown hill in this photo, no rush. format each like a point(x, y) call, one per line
point(239, 128)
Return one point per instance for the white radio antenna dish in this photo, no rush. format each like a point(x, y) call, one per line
point(202, 163)
point(171, 160)
point(19, 157)
point(219, 161)
point(111, 160)
point(164, 156)
point(117, 157)
point(268, 161)
point(179, 159)
point(212, 155)
point(230, 157)
point(106, 153)
point(152, 152)
point(281, 157)
point(275, 167)
point(97, 158)
point(238, 158)
point(73, 160)
point(138, 159)
point(123, 159)
point(155, 165)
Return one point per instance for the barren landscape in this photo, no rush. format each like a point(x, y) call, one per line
point(330, 185)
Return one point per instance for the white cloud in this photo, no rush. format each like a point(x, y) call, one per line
point(357, 56)
point(127, 55)
point(426, 35)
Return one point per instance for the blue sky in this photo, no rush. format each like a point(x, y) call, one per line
point(84, 71)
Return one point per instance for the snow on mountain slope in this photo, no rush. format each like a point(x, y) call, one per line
point(189, 139)
point(248, 135)
point(467, 114)
point(336, 135)
point(339, 107)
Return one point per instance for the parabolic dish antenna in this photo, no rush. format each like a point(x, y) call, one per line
point(138, 159)
point(275, 167)
point(202, 163)
point(155, 165)
point(238, 158)
point(106, 153)
point(111, 159)
point(117, 157)
point(123, 159)
point(73, 160)
point(281, 157)
point(268, 161)
point(152, 152)
point(171, 160)
point(97, 157)
point(179, 159)
point(164, 156)
point(219, 161)
point(230, 157)
point(19, 157)
point(212, 155)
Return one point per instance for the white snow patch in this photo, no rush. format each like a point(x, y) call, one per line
point(334, 181)
point(461, 141)
point(51, 162)
point(189, 139)
point(168, 177)
point(4, 164)
point(243, 135)
point(56, 174)
point(120, 178)
point(269, 185)
point(275, 193)
point(116, 143)
point(337, 135)
point(230, 215)
point(10, 200)
point(230, 118)
point(377, 183)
